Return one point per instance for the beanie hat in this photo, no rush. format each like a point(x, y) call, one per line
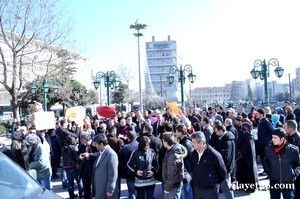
point(279, 132)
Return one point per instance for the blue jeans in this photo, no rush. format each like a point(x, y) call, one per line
point(46, 183)
point(131, 189)
point(187, 191)
point(173, 194)
point(64, 179)
point(286, 193)
point(72, 174)
point(146, 192)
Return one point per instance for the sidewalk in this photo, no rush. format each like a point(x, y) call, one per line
point(57, 188)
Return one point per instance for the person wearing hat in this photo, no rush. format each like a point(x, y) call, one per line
point(282, 165)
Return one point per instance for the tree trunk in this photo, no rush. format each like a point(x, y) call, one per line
point(15, 108)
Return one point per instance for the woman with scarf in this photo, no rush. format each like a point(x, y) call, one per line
point(245, 156)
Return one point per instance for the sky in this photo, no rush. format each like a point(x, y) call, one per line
point(220, 39)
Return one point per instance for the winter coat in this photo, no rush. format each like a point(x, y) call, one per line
point(284, 169)
point(264, 132)
point(40, 161)
point(124, 157)
point(173, 167)
point(69, 154)
point(227, 149)
point(187, 143)
point(144, 161)
point(210, 171)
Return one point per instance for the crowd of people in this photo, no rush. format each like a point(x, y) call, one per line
point(195, 154)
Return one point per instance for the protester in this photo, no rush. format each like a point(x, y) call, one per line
point(69, 153)
point(143, 164)
point(246, 157)
point(87, 154)
point(19, 149)
point(208, 168)
point(39, 160)
point(105, 171)
point(282, 165)
point(184, 140)
point(172, 167)
point(124, 157)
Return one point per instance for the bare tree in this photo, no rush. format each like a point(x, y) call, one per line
point(31, 36)
point(126, 73)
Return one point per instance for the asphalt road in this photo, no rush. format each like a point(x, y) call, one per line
point(57, 188)
point(264, 193)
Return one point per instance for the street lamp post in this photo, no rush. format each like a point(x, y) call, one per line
point(138, 27)
point(110, 82)
point(171, 76)
point(263, 73)
point(46, 86)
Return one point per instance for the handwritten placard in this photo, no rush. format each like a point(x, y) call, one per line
point(76, 114)
point(174, 107)
point(44, 120)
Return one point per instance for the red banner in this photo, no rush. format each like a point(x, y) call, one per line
point(106, 111)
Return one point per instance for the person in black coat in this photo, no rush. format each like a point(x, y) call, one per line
point(208, 171)
point(87, 154)
point(184, 140)
point(56, 152)
point(293, 137)
point(156, 142)
point(124, 157)
point(227, 149)
point(282, 165)
point(158, 126)
point(246, 157)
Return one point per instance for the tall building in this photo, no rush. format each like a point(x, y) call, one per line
point(161, 56)
point(38, 61)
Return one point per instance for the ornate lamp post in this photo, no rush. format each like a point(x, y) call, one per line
point(46, 85)
point(263, 73)
point(138, 27)
point(110, 82)
point(181, 77)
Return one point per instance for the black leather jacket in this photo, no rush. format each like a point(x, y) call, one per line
point(284, 169)
point(144, 161)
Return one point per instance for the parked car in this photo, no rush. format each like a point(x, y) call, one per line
point(16, 183)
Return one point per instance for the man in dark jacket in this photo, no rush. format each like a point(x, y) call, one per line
point(87, 154)
point(264, 133)
point(208, 168)
point(184, 140)
point(172, 167)
point(206, 128)
point(227, 149)
point(282, 165)
point(155, 143)
point(158, 126)
point(293, 137)
point(124, 157)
